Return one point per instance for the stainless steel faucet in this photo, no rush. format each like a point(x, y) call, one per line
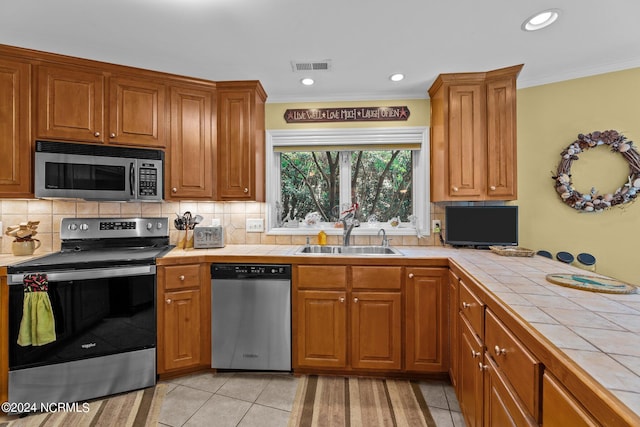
point(347, 227)
point(385, 241)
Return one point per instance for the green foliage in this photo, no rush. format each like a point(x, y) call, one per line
point(380, 183)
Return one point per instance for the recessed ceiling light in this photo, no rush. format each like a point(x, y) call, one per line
point(307, 81)
point(396, 77)
point(541, 20)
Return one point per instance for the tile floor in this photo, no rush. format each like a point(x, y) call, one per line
point(265, 400)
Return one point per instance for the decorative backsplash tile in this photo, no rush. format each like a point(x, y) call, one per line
point(232, 215)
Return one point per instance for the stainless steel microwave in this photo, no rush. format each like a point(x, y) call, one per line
point(98, 172)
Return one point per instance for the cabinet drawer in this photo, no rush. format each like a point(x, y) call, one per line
point(376, 277)
point(322, 276)
point(472, 308)
point(182, 276)
point(519, 366)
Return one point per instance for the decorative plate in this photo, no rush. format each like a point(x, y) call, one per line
point(592, 283)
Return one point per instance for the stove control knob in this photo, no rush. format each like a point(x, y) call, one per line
point(149, 226)
point(73, 226)
point(84, 227)
point(159, 226)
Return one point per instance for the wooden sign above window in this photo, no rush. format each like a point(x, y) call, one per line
point(347, 114)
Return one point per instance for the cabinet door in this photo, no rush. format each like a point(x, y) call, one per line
point(70, 104)
point(470, 375)
point(236, 167)
point(501, 139)
point(560, 408)
point(453, 329)
point(376, 334)
point(467, 152)
point(181, 329)
point(191, 149)
point(426, 320)
point(136, 112)
point(502, 407)
point(322, 329)
point(15, 126)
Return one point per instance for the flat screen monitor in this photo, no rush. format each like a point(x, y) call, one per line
point(481, 226)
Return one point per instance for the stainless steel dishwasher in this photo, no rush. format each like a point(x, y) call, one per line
point(251, 317)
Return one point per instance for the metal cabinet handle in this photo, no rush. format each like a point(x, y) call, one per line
point(481, 366)
point(475, 354)
point(113, 135)
point(341, 299)
point(168, 300)
point(454, 188)
point(355, 300)
point(246, 190)
point(96, 134)
point(500, 351)
point(465, 305)
point(181, 277)
point(492, 188)
point(410, 275)
point(174, 190)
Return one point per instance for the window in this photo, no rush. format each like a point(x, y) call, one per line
point(314, 176)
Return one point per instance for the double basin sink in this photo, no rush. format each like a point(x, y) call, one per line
point(348, 250)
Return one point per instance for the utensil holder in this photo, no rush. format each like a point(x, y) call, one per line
point(182, 239)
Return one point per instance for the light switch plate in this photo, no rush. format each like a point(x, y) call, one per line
point(255, 225)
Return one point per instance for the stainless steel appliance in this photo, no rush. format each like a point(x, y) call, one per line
point(208, 237)
point(102, 289)
point(251, 317)
point(98, 172)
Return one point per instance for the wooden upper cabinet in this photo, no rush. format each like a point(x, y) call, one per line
point(190, 152)
point(473, 136)
point(70, 104)
point(136, 112)
point(15, 128)
point(241, 145)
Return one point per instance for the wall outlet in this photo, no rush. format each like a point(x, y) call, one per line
point(255, 225)
point(435, 226)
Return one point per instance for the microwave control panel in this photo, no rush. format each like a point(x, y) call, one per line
point(147, 180)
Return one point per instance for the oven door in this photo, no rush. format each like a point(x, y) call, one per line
point(97, 312)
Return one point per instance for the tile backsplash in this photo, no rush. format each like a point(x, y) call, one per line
point(232, 216)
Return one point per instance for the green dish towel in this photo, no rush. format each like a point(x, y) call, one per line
point(37, 326)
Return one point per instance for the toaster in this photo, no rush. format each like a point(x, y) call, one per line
point(208, 237)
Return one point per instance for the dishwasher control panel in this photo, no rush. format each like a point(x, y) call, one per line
point(241, 271)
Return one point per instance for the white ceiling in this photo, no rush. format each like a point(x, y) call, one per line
point(366, 40)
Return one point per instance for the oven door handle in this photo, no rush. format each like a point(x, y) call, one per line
point(88, 274)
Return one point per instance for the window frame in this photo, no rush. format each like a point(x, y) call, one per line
point(351, 137)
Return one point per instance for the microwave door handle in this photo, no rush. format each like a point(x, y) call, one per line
point(132, 177)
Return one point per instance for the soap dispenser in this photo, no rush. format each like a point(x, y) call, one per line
point(322, 238)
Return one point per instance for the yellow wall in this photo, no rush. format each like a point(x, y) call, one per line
point(549, 119)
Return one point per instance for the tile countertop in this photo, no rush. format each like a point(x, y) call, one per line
point(598, 331)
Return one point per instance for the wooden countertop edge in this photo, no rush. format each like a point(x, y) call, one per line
point(600, 402)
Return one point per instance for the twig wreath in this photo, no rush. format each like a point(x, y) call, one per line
point(593, 202)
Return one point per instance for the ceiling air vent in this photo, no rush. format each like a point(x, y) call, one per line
point(324, 65)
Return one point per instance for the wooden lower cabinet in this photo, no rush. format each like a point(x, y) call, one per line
point(348, 318)
point(427, 325)
point(502, 407)
point(470, 375)
point(181, 329)
point(454, 354)
point(560, 408)
point(322, 327)
point(375, 330)
point(184, 325)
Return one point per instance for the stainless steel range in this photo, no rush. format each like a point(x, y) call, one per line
point(82, 322)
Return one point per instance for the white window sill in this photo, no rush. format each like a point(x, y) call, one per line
point(363, 230)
